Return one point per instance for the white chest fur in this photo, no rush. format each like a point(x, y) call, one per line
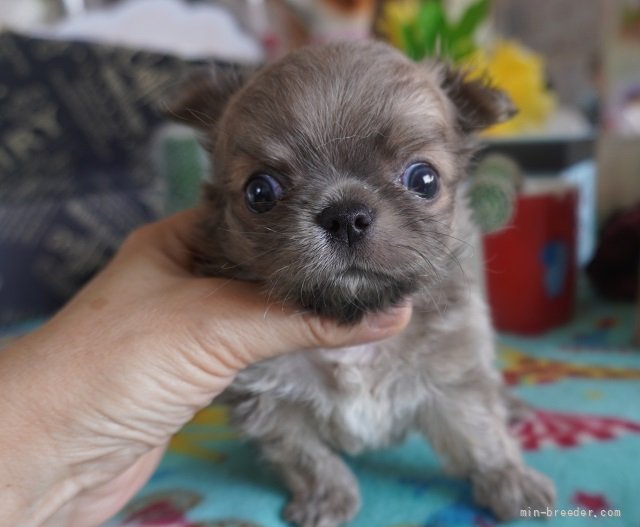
point(359, 397)
point(368, 407)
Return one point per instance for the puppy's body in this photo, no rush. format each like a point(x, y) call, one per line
point(437, 377)
point(370, 396)
point(361, 155)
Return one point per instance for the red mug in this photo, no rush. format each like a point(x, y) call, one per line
point(530, 265)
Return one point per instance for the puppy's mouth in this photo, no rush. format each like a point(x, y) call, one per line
point(354, 292)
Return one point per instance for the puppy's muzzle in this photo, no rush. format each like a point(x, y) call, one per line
point(346, 222)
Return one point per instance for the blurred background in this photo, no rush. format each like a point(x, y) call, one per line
point(83, 85)
point(87, 155)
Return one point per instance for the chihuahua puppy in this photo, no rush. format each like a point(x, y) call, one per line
point(337, 186)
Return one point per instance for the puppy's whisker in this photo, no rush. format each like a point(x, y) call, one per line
point(435, 272)
point(450, 255)
point(278, 274)
point(435, 303)
point(422, 256)
point(429, 219)
point(354, 136)
point(214, 290)
point(252, 233)
point(243, 264)
point(466, 243)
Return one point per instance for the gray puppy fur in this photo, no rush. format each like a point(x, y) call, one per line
point(337, 126)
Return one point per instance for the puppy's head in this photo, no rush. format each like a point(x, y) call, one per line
point(336, 171)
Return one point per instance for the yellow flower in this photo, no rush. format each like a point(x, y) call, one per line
point(520, 73)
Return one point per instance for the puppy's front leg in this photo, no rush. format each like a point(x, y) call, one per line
point(324, 492)
point(466, 424)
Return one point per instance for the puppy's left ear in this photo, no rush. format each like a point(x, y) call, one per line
point(203, 96)
point(477, 102)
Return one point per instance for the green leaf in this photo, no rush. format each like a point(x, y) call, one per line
point(463, 47)
point(408, 42)
point(471, 20)
point(431, 25)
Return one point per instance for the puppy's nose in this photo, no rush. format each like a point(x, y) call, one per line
point(346, 222)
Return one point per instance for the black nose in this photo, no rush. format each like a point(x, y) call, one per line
point(346, 222)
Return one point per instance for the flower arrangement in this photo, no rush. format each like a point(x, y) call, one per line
point(424, 28)
point(520, 73)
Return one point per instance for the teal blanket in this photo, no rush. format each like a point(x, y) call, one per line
point(584, 381)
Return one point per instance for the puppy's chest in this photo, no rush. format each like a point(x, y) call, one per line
point(373, 400)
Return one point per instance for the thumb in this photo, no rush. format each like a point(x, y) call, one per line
point(312, 331)
point(239, 327)
point(287, 332)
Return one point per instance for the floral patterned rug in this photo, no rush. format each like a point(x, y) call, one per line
point(583, 380)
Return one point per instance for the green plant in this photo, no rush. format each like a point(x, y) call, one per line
point(431, 32)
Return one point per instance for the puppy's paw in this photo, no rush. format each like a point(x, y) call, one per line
point(327, 507)
point(506, 492)
point(517, 410)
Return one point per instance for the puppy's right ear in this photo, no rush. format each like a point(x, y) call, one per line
point(204, 94)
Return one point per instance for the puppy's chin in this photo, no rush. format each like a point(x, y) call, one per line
point(349, 296)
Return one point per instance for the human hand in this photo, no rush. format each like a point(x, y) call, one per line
point(94, 396)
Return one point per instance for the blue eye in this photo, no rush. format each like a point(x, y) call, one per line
point(422, 179)
point(262, 193)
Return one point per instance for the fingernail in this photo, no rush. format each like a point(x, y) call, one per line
point(387, 319)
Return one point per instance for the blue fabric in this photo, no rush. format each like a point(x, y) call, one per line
point(583, 378)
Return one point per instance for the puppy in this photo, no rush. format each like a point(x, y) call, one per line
point(338, 187)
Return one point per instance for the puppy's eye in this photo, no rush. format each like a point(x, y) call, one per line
point(422, 179)
point(262, 192)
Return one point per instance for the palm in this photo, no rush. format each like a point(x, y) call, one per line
point(98, 504)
